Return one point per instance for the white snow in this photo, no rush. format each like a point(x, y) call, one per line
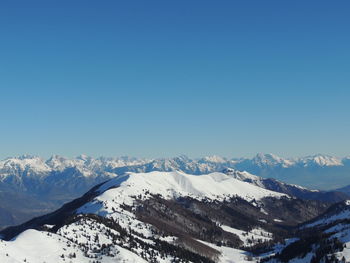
point(38, 247)
point(214, 159)
point(321, 160)
point(249, 237)
point(231, 255)
point(175, 184)
point(35, 166)
point(269, 159)
point(35, 246)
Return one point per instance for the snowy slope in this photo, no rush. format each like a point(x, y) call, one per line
point(34, 246)
point(175, 184)
point(23, 248)
point(232, 255)
point(341, 211)
point(122, 236)
point(248, 236)
point(131, 188)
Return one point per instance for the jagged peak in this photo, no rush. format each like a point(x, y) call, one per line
point(25, 162)
point(23, 157)
point(269, 159)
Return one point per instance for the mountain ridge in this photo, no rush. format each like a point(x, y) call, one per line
point(161, 216)
point(48, 183)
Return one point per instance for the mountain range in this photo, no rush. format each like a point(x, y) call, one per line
point(32, 186)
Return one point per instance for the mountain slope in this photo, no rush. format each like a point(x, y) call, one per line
point(325, 238)
point(158, 217)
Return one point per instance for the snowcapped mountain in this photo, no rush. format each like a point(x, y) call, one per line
point(172, 185)
point(270, 160)
point(15, 167)
point(320, 160)
point(88, 166)
point(161, 217)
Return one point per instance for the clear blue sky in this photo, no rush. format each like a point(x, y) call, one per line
point(162, 78)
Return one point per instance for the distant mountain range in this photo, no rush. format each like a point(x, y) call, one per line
point(31, 186)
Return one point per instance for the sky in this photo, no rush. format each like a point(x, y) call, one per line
point(163, 78)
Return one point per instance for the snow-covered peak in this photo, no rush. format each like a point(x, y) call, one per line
point(214, 159)
point(269, 159)
point(241, 175)
point(57, 162)
point(175, 184)
point(82, 163)
point(321, 160)
point(24, 163)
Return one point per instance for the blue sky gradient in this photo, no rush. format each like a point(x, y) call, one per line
point(162, 78)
